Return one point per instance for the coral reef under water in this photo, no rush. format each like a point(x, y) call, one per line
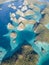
point(19, 21)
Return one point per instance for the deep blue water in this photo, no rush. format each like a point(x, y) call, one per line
point(4, 20)
point(46, 62)
point(7, 47)
point(5, 15)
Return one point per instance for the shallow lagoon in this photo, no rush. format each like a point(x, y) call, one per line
point(27, 34)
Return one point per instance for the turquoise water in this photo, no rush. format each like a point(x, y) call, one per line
point(47, 26)
point(44, 60)
point(32, 17)
point(42, 7)
point(44, 57)
point(7, 46)
point(43, 0)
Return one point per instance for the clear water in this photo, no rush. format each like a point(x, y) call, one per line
point(7, 47)
point(44, 60)
point(47, 26)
